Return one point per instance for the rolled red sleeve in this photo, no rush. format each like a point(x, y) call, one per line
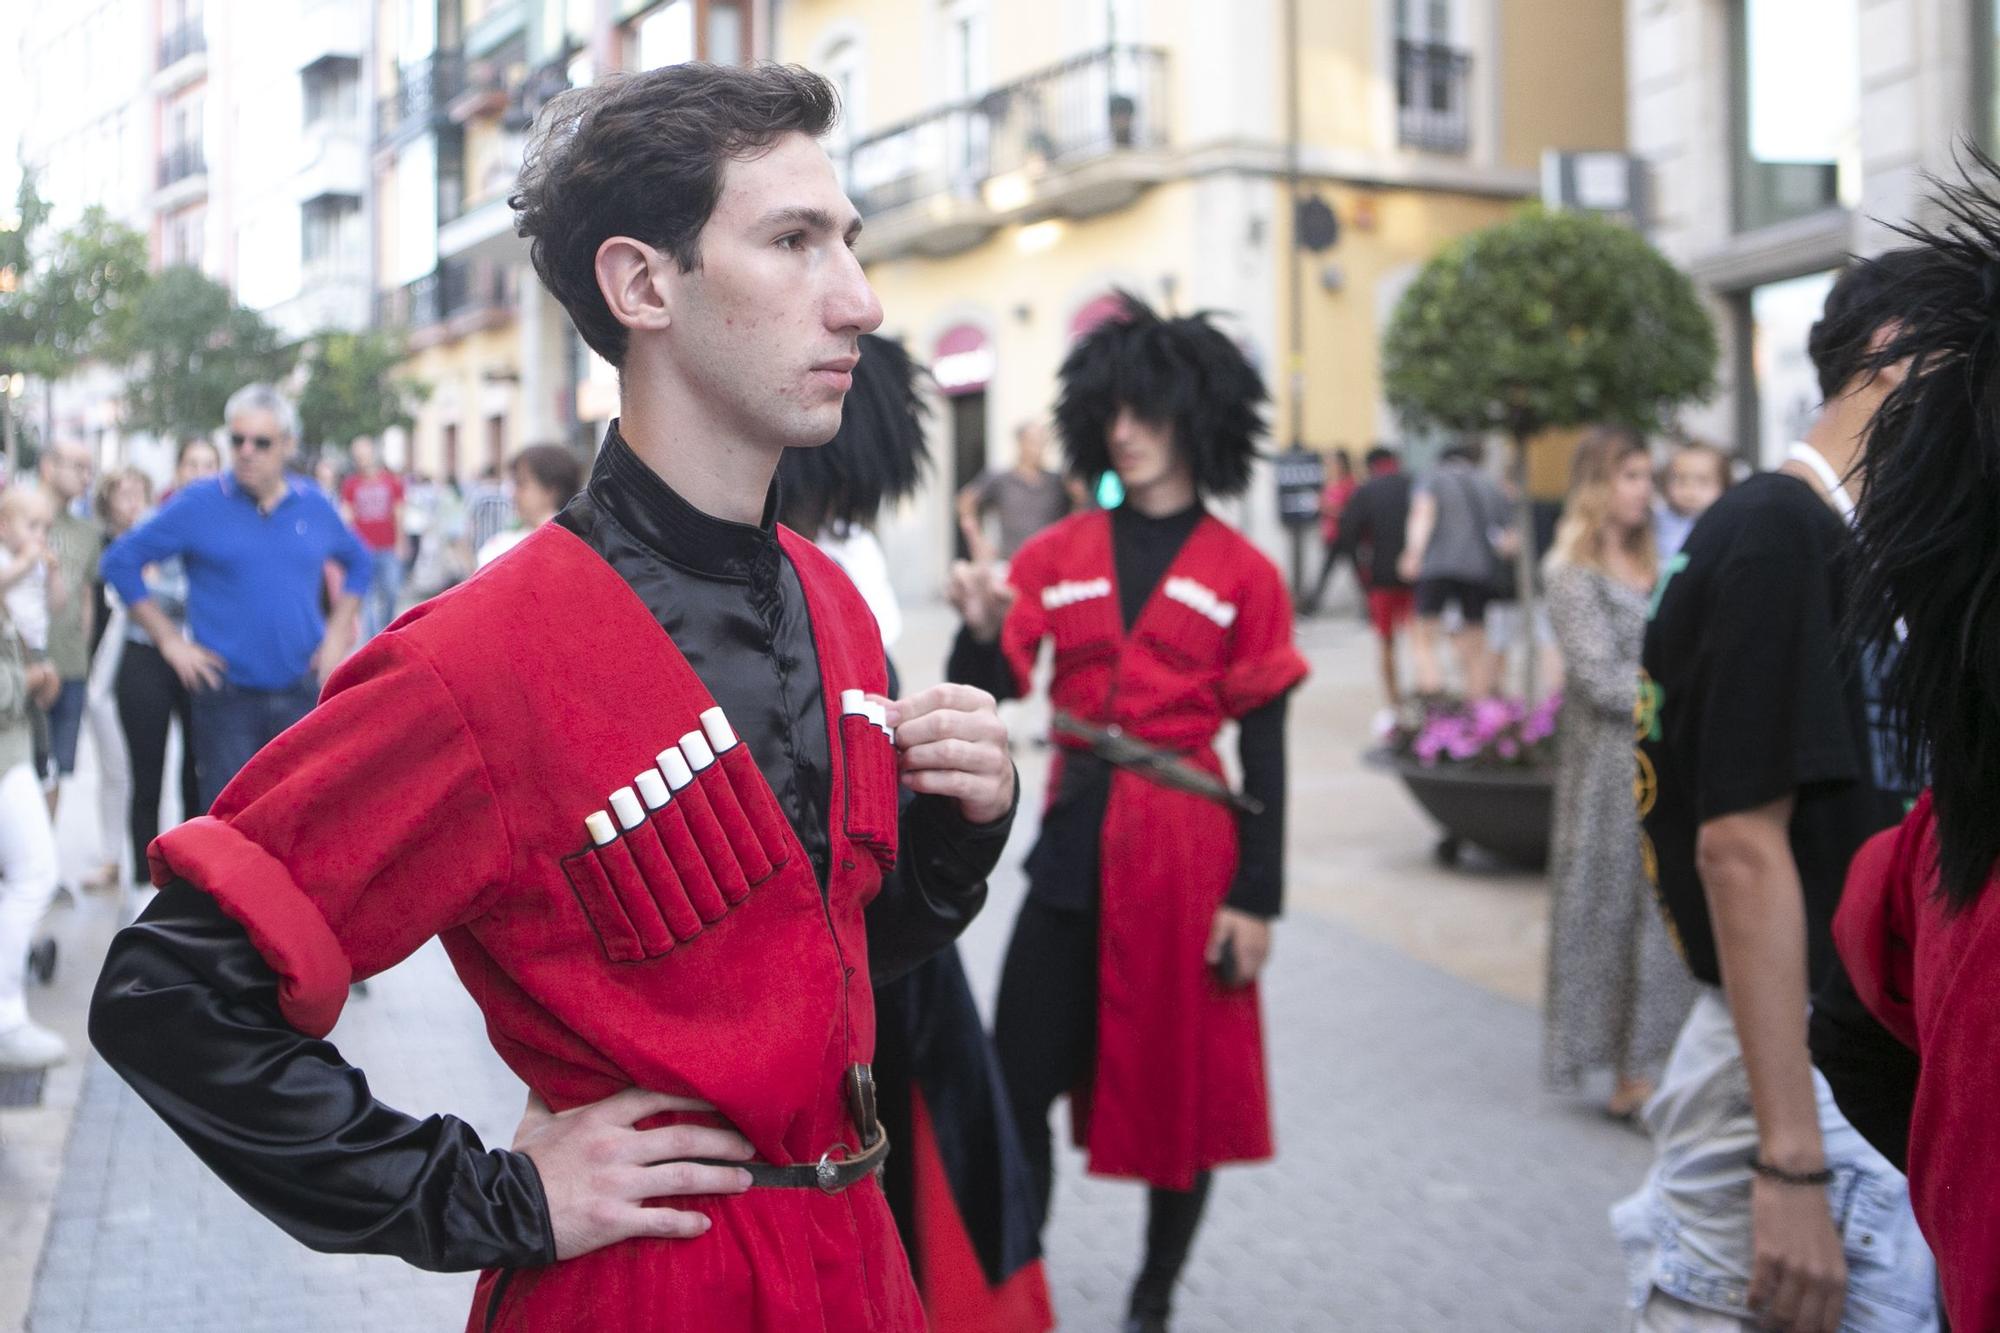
point(353, 837)
point(258, 893)
point(1263, 662)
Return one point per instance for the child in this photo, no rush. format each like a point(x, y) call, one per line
point(26, 573)
point(1695, 477)
point(27, 848)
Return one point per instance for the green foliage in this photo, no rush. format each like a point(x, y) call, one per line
point(352, 388)
point(1547, 320)
point(67, 296)
point(188, 346)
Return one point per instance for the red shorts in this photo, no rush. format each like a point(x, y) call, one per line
point(1390, 609)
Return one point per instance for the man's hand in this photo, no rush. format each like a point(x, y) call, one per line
point(597, 1170)
point(327, 658)
point(953, 743)
point(1248, 937)
point(981, 597)
point(1408, 566)
point(43, 684)
point(198, 668)
point(1798, 1280)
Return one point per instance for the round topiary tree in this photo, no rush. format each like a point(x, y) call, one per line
point(1545, 321)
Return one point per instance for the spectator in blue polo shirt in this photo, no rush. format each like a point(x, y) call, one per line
point(255, 541)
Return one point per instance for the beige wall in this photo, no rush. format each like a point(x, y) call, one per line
point(1341, 81)
point(460, 394)
point(1562, 77)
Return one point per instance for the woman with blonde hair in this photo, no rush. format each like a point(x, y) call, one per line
point(1616, 991)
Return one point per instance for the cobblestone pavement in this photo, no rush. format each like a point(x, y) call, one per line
point(1424, 1180)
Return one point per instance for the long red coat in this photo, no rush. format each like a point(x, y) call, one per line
point(1179, 1083)
point(1934, 981)
point(440, 788)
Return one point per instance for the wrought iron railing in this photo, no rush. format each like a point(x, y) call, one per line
point(181, 42)
point(1433, 97)
point(180, 162)
point(454, 287)
point(1108, 101)
point(421, 93)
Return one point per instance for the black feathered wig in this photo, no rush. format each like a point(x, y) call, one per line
point(1927, 592)
point(877, 456)
point(1184, 373)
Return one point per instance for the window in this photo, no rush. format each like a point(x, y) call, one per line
point(845, 66)
point(331, 234)
point(1797, 103)
point(332, 90)
point(496, 443)
point(1784, 386)
point(1433, 78)
point(665, 36)
point(182, 236)
point(451, 451)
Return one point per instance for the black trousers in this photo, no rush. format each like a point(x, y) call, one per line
point(1045, 1033)
point(150, 696)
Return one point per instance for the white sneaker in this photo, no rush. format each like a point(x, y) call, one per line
point(31, 1046)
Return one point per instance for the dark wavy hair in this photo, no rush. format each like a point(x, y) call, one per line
point(1183, 373)
point(878, 455)
point(642, 155)
point(1928, 582)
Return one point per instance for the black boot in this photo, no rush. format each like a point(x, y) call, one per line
point(1172, 1218)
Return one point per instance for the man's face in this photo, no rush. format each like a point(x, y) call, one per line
point(1142, 452)
point(259, 450)
point(1033, 442)
point(363, 451)
point(66, 471)
point(766, 332)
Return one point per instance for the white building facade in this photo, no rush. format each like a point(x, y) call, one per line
point(1783, 136)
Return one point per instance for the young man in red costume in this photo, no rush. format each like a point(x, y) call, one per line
point(1130, 980)
point(639, 776)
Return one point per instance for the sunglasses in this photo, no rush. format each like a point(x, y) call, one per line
point(258, 441)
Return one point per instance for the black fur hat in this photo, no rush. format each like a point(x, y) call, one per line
point(878, 454)
point(1183, 372)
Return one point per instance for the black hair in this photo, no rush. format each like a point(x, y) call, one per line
point(879, 453)
point(1928, 575)
point(642, 155)
point(1379, 455)
point(554, 467)
point(1868, 294)
point(1184, 373)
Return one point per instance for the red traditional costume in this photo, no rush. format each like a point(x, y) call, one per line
point(1179, 1084)
point(441, 788)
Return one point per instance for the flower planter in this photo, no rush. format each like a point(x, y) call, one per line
point(1505, 811)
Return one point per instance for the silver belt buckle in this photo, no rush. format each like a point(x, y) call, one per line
point(827, 1173)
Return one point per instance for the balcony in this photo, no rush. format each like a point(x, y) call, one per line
point(330, 30)
point(183, 56)
point(334, 160)
point(182, 177)
point(501, 21)
point(452, 300)
point(333, 294)
point(1433, 97)
point(1075, 139)
point(423, 91)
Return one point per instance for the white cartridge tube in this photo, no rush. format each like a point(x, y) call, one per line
point(721, 736)
point(674, 766)
point(695, 746)
point(600, 826)
point(652, 790)
point(625, 804)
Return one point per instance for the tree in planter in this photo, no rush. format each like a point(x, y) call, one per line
point(1545, 321)
point(352, 388)
point(188, 346)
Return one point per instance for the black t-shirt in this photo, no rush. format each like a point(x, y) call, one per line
point(1751, 696)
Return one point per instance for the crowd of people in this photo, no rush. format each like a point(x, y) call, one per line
point(214, 612)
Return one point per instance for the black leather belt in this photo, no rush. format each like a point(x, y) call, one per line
point(831, 1174)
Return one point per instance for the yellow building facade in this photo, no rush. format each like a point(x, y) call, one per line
point(1016, 162)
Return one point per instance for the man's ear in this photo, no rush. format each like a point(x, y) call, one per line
point(632, 277)
point(1895, 372)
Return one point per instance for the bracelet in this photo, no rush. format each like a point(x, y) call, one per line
point(1821, 1177)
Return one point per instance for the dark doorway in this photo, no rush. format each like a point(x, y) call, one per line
point(968, 455)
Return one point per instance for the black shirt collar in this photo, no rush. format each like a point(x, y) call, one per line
point(652, 511)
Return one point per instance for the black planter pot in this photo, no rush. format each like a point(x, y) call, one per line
point(1506, 811)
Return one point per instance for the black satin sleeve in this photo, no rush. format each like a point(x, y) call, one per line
point(186, 1012)
point(1259, 888)
point(938, 885)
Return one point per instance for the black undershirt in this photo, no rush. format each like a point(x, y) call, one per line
point(1063, 868)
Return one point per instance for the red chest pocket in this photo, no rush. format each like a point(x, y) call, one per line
point(1191, 631)
point(1083, 623)
point(868, 763)
point(693, 837)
